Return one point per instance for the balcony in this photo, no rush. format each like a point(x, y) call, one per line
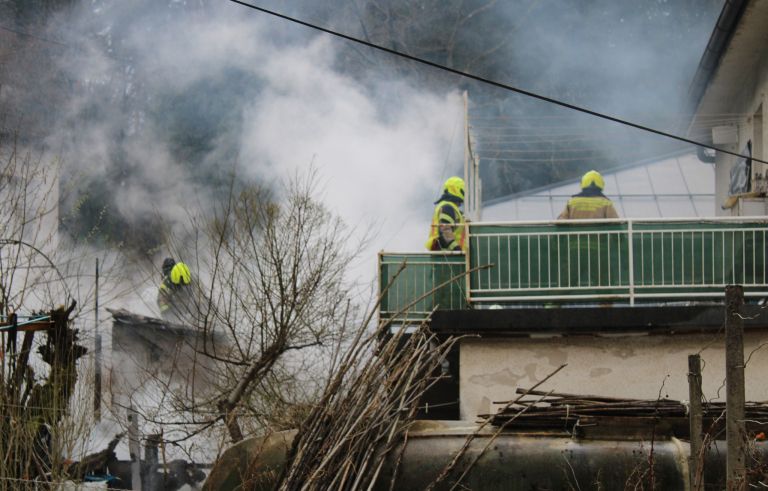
point(579, 262)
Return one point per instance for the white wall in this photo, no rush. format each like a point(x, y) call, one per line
point(640, 367)
point(744, 109)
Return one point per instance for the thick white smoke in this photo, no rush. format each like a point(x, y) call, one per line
point(277, 104)
point(377, 172)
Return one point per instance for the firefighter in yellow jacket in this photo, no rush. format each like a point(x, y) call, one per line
point(447, 232)
point(174, 295)
point(590, 202)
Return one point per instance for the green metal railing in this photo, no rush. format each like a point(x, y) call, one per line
point(409, 284)
point(584, 261)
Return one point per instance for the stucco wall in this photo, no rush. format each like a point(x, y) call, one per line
point(146, 361)
point(735, 92)
point(754, 103)
point(723, 165)
point(630, 366)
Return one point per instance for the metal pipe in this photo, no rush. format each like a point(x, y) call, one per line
point(516, 460)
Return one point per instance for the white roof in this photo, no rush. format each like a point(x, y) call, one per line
point(677, 186)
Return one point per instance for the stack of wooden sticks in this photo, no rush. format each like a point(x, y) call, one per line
point(572, 413)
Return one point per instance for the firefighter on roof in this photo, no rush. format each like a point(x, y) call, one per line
point(174, 293)
point(447, 232)
point(590, 202)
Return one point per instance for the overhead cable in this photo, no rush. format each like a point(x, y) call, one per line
point(26, 34)
point(492, 82)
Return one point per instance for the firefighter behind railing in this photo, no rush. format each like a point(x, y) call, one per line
point(174, 295)
point(589, 251)
point(590, 202)
point(448, 233)
point(448, 229)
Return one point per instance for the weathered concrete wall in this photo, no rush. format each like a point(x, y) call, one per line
point(630, 366)
point(143, 355)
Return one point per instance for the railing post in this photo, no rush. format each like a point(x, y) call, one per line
point(631, 262)
point(380, 283)
point(468, 284)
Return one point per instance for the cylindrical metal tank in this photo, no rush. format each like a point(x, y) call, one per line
point(513, 460)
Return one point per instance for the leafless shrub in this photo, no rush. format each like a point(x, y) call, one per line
point(269, 308)
point(43, 287)
point(360, 425)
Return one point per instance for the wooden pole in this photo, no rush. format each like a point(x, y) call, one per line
point(480, 195)
point(134, 448)
point(735, 433)
point(478, 191)
point(469, 203)
point(696, 458)
point(97, 353)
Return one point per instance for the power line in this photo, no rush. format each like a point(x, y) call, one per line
point(23, 33)
point(493, 82)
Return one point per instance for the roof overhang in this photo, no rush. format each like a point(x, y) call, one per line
point(728, 70)
point(591, 321)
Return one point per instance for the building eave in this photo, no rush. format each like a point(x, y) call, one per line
point(593, 321)
point(713, 53)
point(730, 70)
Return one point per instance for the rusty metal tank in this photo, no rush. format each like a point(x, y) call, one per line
point(513, 460)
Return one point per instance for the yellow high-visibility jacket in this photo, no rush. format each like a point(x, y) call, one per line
point(588, 204)
point(447, 231)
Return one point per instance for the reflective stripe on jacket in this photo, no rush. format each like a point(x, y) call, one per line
point(174, 297)
point(585, 207)
point(447, 230)
point(164, 295)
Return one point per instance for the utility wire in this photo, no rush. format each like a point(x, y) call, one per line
point(493, 82)
point(23, 33)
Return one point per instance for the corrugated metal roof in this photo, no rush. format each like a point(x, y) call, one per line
point(677, 186)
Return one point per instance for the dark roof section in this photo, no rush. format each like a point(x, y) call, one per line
point(718, 42)
point(122, 316)
point(153, 326)
point(599, 321)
